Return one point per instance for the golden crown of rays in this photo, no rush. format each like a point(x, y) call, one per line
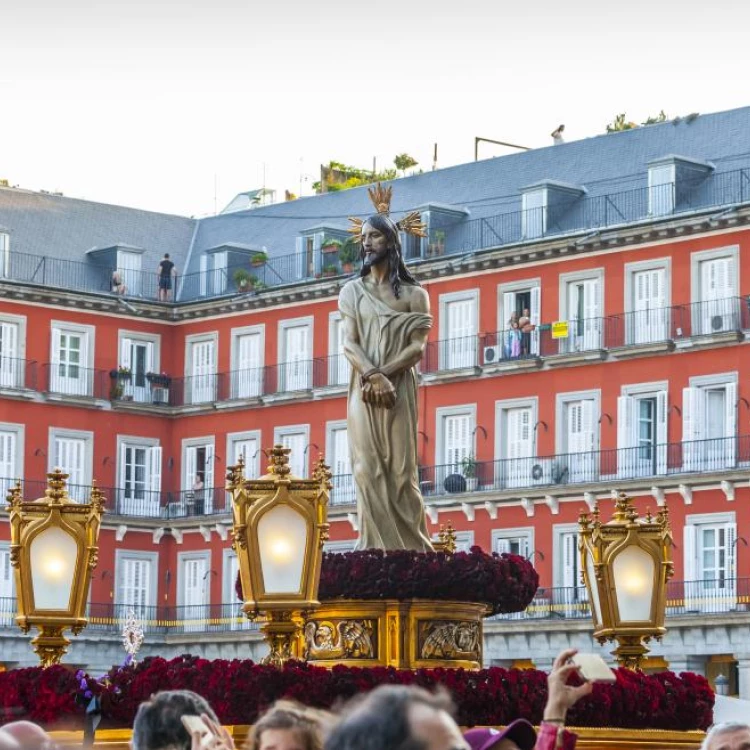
point(381, 199)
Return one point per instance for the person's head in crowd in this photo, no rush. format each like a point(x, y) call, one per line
point(158, 722)
point(732, 735)
point(398, 717)
point(25, 735)
point(290, 726)
point(518, 735)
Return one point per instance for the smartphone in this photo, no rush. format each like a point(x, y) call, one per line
point(593, 668)
point(196, 724)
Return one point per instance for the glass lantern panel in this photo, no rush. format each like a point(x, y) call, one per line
point(282, 536)
point(53, 557)
point(634, 574)
point(591, 576)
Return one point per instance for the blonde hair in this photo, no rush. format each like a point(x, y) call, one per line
point(312, 724)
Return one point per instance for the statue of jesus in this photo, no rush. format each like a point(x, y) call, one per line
point(386, 321)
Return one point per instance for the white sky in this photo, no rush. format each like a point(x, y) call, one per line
point(153, 103)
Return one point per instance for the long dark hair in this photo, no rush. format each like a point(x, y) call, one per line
point(398, 272)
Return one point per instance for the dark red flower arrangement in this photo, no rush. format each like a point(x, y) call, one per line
point(240, 690)
point(506, 583)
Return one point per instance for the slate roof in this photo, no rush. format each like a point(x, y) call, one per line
point(45, 224)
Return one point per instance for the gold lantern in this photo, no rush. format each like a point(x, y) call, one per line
point(280, 525)
point(54, 549)
point(626, 564)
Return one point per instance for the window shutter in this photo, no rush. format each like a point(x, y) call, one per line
point(208, 481)
point(588, 422)
point(625, 420)
point(661, 432)
point(730, 537)
point(692, 426)
point(729, 452)
point(8, 458)
point(6, 575)
point(301, 259)
point(125, 353)
point(536, 305)
point(688, 553)
point(340, 442)
point(154, 470)
point(502, 546)
point(509, 307)
point(569, 560)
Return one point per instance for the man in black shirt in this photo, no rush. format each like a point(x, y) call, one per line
point(165, 273)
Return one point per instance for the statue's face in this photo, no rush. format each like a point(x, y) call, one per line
point(374, 244)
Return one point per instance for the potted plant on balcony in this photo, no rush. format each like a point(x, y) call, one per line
point(158, 379)
point(242, 279)
point(469, 470)
point(331, 245)
point(259, 259)
point(329, 270)
point(348, 255)
point(121, 373)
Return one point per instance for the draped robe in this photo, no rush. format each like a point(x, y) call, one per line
point(383, 442)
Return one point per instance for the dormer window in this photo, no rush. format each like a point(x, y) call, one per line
point(534, 213)
point(4, 253)
point(544, 207)
point(672, 181)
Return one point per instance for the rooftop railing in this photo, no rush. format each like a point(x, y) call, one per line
point(507, 227)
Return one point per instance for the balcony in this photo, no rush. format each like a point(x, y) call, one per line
point(70, 379)
point(17, 374)
point(684, 599)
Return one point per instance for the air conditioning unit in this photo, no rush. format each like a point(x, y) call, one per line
point(717, 322)
point(541, 472)
point(160, 395)
point(492, 354)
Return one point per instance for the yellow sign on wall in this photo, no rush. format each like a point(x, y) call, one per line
point(560, 329)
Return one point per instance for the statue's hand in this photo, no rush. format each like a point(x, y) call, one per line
point(382, 391)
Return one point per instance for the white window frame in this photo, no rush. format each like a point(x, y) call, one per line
point(138, 441)
point(308, 322)
point(212, 380)
point(696, 279)
point(20, 432)
point(514, 287)
point(4, 253)
point(718, 599)
point(153, 557)
point(463, 353)
point(517, 474)
point(88, 460)
point(533, 222)
point(88, 334)
point(558, 531)
point(638, 391)
point(663, 318)
point(140, 337)
point(518, 532)
point(235, 335)
point(660, 199)
point(293, 429)
point(183, 557)
point(340, 495)
point(204, 441)
point(251, 470)
point(6, 618)
point(339, 369)
point(453, 411)
point(571, 278)
point(21, 322)
point(561, 402)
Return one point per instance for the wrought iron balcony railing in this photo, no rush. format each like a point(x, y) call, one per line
point(719, 596)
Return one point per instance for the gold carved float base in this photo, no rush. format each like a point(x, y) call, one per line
point(412, 634)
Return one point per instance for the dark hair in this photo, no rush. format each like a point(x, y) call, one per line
point(381, 720)
point(166, 255)
point(158, 722)
point(310, 723)
point(397, 269)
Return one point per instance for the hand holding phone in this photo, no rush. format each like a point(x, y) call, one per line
point(593, 668)
point(194, 724)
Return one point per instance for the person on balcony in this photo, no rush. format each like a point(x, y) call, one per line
point(513, 340)
point(165, 273)
point(526, 326)
point(386, 318)
point(118, 285)
point(198, 490)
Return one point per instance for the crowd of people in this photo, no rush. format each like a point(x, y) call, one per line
point(391, 717)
